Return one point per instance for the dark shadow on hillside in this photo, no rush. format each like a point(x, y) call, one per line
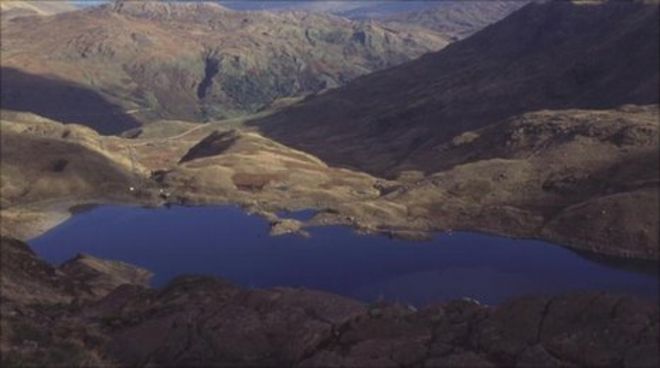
point(61, 100)
point(640, 266)
point(592, 57)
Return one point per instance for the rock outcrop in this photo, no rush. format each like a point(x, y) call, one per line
point(28, 280)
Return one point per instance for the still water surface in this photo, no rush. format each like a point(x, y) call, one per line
point(227, 242)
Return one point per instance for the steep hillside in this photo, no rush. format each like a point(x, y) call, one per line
point(527, 128)
point(140, 61)
point(556, 55)
point(44, 160)
point(47, 163)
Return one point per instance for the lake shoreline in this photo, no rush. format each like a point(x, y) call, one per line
point(228, 241)
point(48, 214)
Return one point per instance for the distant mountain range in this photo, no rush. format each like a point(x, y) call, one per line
point(457, 19)
point(358, 9)
point(192, 61)
point(350, 9)
point(445, 15)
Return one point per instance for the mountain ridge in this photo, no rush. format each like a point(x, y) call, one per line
point(154, 58)
point(457, 19)
point(477, 81)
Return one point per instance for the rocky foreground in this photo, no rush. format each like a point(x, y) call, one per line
point(92, 312)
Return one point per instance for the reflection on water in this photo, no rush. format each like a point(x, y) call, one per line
point(226, 242)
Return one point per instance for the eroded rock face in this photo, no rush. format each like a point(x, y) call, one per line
point(40, 306)
point(103, 276)
point(201, 321)
point(28, 280)
point(208, 322)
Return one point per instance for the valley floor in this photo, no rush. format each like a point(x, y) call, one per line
point(587, 179)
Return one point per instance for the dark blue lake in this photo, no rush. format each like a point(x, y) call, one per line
point(226, 242)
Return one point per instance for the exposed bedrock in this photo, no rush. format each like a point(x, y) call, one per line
point(201, 321)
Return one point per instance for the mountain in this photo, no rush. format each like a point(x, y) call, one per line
point(521, 129)
point(453, 18)
point(349, 9)
point(118, 65)
point(544, 124)
point(13, 8)
point(557, 55)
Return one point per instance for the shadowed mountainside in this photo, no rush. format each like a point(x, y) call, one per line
point(524, 126)
point(556, 55)
point(63, 101)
